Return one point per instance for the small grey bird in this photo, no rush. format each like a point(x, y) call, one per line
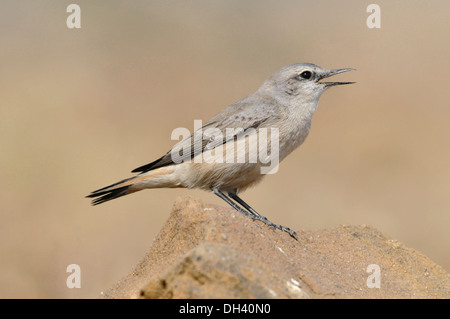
point(285, 102)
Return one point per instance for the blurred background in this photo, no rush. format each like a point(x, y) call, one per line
point(81, 108)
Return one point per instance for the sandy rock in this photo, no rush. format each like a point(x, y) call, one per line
point(207, 251)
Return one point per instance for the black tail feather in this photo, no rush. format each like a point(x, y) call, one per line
point(102, 191)
point(108, 195)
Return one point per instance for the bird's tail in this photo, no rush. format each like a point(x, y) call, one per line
point(157, 178)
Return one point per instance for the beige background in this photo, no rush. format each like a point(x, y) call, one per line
point(80, 108)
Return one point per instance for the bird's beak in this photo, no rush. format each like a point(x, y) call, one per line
point(334, 72)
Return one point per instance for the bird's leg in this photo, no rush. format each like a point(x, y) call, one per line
point(232, 204)
point(234, 196)
point(254, 215)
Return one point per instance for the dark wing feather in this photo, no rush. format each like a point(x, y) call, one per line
point(243, 114)
point(196, 148)
point(167, 158)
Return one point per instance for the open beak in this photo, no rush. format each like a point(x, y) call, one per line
point(334, 72)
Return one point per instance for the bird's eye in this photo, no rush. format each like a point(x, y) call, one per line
point(306, 75)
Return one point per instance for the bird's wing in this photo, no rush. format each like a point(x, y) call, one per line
point(237, 121)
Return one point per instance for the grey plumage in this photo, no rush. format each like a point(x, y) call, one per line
point(286, 101)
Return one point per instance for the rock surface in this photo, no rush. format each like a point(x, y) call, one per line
point(207, 251)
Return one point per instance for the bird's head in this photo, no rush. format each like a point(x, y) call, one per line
point(300, 81)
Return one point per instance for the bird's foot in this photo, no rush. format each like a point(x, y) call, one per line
point(269, 223)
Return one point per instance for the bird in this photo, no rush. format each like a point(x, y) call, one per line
point(284, 104)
